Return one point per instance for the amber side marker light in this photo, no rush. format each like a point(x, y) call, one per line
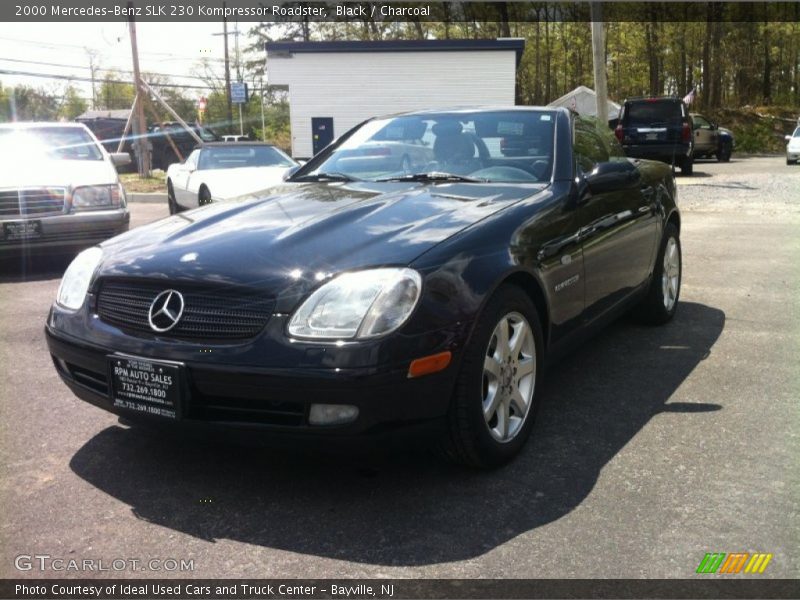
point(429, 364)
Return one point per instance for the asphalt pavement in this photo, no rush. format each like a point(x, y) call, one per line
point(653, 446)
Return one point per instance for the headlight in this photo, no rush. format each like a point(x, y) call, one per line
point(91, 197)
point(77, 278)
point(358, 305)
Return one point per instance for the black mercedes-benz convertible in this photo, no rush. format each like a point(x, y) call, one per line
point(420, 270)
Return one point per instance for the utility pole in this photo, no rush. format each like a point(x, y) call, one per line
point(227, 66)
point(140, 125)
point(224, 34)
point(263, 124)
point(599, 59)
point(92, 53)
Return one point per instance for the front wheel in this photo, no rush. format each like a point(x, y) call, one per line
point(724, 154)
point(661, 301)
point(171, 202)
point(494, 404)
point(204, 196)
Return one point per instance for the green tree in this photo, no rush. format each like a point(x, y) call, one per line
point(24, 103)
point(72, 104)
point(113, 93)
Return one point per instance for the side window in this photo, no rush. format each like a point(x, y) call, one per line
point(589, 146)
point(701, 123)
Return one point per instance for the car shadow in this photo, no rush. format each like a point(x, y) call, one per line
point(403, 508)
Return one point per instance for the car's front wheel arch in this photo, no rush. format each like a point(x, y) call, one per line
point(533, 288)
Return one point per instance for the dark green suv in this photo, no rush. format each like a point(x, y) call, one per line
point(657, 129)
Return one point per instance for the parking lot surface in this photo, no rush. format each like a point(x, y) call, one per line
point(653, 445)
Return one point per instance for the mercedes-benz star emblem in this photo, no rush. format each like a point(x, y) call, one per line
point(165, 311)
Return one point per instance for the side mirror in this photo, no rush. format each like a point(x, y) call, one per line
point(612, 177)
point(120, 159)
point(787, 137)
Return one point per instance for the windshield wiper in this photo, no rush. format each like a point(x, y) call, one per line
point(434, 176)
point(332, 176)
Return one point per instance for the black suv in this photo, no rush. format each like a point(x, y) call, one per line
point(658, 129)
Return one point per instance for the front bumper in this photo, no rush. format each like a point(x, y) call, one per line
point(246, 401)
point(793, 154)
point(81, 229)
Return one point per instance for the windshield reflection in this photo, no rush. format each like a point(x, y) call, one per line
point(511, 146)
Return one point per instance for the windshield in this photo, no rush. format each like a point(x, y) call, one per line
point(59, 143)
point(796, 133)
point(236, 156)
point(495, 146)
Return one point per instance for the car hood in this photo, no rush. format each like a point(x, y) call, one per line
point(62, 173)
point(304, 232)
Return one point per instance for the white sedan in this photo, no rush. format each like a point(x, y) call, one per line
point(220, 170)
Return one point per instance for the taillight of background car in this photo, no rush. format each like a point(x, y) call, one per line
point(686, 132)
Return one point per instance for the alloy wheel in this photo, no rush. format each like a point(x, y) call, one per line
point(671, 275)
point(509, 376)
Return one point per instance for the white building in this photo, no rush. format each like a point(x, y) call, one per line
point(333, 86)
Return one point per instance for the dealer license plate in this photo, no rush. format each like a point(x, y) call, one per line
point(22, 230)
point(146, 386)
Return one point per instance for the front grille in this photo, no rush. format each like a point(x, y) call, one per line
point(211, 313)
point(34, 201)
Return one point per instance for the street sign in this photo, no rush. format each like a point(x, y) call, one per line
point(238, 92)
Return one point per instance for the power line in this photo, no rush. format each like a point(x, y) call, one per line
point(168, 55)
point(89, 79)
point(52, 64)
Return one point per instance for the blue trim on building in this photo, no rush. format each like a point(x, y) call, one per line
point(515, 44)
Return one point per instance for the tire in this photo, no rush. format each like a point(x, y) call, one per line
point(687, 166)
point(483, 442)
point(203, 196)
point(791, 162)
point(724, 154)
point(661, 301)
point(171, 202)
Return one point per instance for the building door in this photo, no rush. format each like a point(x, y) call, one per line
point(322, 132)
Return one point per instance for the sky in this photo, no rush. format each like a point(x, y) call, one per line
point(70, 44)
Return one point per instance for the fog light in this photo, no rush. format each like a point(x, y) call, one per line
point(332, 414)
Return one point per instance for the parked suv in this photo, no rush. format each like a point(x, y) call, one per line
point(657, 129)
